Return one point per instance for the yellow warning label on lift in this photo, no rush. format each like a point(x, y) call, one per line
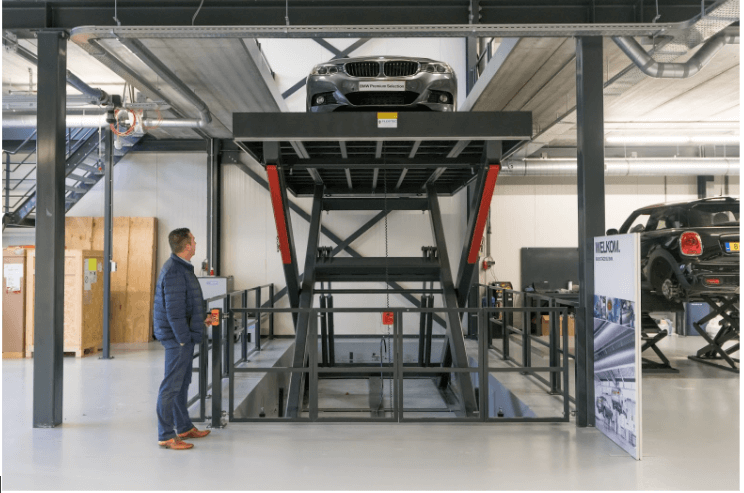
point(92, 264)
point(387, 120)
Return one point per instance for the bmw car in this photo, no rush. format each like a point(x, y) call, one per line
point(381, 83)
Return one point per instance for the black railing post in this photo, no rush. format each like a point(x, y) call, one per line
point(244, 341)
point(526, 325)
point(508, 319)
point(553, 323)
point(312, 349)
point(484, 323)
point(230, 346)
point(203, 371)
point(271, 316)
point(331, 341)
point(258, 319)
point(217, 371)
point(323, 333)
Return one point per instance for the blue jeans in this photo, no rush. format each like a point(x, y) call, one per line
point(172, 397)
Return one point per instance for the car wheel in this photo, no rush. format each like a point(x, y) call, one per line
point(671, 290)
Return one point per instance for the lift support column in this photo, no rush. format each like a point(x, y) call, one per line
point(306, 301)
point(454, 324)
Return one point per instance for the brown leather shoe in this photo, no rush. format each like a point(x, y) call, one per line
point(194, 433)
point(176, 444)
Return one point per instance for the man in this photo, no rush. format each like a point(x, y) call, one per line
point(179, 323)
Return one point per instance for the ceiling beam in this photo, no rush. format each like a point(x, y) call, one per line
point(67, 14)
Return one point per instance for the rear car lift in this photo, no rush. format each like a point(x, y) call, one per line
point(651, 335)
point(726, 307)
point(346, 161)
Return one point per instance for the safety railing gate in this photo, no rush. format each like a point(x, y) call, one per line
point(212, 342)
point(400, 375)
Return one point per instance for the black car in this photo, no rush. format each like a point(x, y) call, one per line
point(688, 248)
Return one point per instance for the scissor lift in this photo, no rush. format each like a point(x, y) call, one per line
point(371, 161)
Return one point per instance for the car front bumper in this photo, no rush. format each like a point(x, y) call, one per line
point(419, 91)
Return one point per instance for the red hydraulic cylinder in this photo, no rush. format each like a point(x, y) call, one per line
point(485, 204)
point(278, 205)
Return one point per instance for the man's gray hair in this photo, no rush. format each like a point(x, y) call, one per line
point(179, 239)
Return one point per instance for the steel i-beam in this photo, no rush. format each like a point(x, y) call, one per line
point(591, 203)
point(50, 230)
point(306, 301)
point(449, 297)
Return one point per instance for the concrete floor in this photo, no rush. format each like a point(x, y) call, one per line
point(108, 441)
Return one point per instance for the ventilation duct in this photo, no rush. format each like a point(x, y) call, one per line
point(626, 167)
point(652, 68)
point(15, 120)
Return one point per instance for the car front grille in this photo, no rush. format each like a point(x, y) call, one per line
point(381, 98)
point(400, 68)
point(363, 69)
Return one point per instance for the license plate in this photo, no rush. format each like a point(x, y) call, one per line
point(732, 247)
point(382, 86)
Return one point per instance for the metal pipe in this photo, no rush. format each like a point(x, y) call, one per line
point(626, 167)
point(652, 68)
point(16, 120)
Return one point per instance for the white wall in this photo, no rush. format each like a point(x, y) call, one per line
point(171, 187)
point(542, 211)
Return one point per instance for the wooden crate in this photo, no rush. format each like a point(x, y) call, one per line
point(133, 283)
point(83, 304)
point(14, 302)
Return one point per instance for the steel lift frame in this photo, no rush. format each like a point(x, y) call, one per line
point(346, 161)
point(726, 307)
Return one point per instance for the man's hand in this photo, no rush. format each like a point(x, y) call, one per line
point(210, 319)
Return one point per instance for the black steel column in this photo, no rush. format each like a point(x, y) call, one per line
point(591, 201)
point(50, 230)
point(214, 203)
point(108, 238)
point(449, 298)
point(306, 301)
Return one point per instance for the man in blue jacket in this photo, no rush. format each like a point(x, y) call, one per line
point(179, 323)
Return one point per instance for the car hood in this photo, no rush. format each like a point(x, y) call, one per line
point(384, 58)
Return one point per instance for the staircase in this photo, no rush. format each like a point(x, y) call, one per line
point(83, 169)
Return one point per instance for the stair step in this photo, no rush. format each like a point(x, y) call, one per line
point(83, 179)
point(92, 169)
point(75, 189)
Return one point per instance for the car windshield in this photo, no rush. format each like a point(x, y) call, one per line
point(703, 215)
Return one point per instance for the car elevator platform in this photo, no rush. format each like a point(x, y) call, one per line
point(384, 161)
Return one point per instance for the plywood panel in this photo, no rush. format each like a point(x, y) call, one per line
point(79, 233)
point(83, 308)
point(119, 280)
point(140, 286)
point(14, 302)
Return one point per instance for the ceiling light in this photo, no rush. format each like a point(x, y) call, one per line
point(672, 139)
point(647, 139)
point(715, 139)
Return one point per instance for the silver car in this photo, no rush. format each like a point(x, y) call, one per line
point(381, 83)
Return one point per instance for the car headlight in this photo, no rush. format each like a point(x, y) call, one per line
point(327, 69)
point(436, 68)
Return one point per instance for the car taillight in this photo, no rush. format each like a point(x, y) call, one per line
point(690, 243)
point(712, 280)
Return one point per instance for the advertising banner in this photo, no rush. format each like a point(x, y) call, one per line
point(617, 340)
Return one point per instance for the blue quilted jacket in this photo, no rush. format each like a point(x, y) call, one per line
point(179, 304)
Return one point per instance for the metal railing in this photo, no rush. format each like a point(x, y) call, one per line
point(222, 353)
point(396, 371)
point(536, 305)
